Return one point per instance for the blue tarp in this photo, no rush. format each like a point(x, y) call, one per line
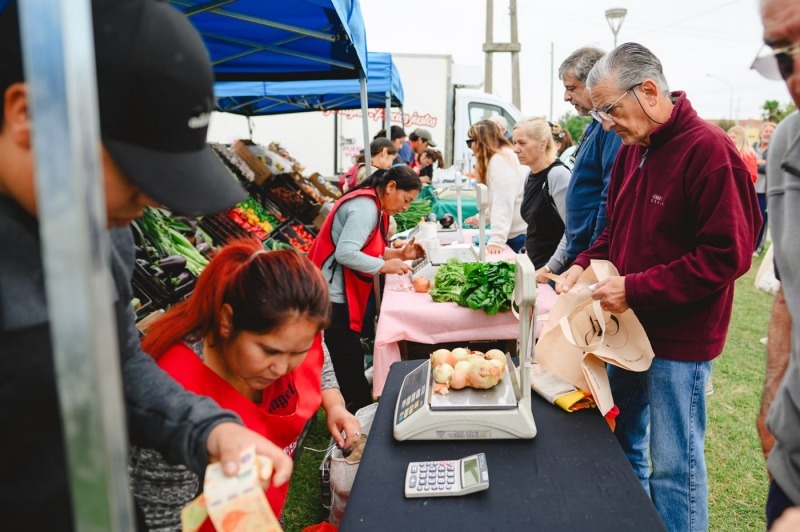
point(279, 40)
point(264, 98)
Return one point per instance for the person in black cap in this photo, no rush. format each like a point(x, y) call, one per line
point(155, 90)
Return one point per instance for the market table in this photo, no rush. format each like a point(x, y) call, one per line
point(572, 476)
point(411, 316)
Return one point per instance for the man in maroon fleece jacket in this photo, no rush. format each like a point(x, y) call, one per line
point(683, 220)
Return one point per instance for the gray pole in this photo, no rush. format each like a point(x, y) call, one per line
point(387, 120)
point(58, 52)
point(515, 95)
point(552, 75)
point(487, 74)
point(365, 123)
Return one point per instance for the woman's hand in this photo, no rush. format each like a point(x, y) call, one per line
point(570, 277)
point(343, 426)
point(493, 249)
point(395, 266)
point(472, 221)
point(228, 440)
point(412, 250)
point(540, 274)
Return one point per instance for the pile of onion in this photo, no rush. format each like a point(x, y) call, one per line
point(461, 368)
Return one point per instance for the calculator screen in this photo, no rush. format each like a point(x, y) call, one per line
point(470, 474)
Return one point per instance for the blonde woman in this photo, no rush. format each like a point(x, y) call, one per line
point(739, 138)
point(544, 198)
point(498, 168)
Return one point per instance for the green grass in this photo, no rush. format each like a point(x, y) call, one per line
point(737, 474)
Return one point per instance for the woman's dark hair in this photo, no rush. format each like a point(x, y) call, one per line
point(377, 146)
point(435, 155)
point(396, 132)
point(404, 177)
point(264, 289)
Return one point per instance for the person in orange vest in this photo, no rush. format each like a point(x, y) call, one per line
point(351, 249)
point(250, 338)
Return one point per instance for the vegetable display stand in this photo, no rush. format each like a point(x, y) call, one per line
point(290, 198)
point(163, 291)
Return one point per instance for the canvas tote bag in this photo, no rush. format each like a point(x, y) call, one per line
point(580, 338)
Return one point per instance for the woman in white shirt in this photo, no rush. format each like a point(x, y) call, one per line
point(499, 169)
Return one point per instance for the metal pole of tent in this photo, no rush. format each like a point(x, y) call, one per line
point(335, 142)
point(387, 120)
point(365, 123)
point(58, 53)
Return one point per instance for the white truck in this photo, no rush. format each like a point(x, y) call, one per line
point(440, 96)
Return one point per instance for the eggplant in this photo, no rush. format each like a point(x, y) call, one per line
point(204, 248)
point(183, 278)
point(173, 264)
point(446, 220)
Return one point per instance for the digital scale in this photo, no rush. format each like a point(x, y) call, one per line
point(501, 412)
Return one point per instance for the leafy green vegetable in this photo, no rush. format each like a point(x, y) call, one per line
point(489, 286)
point(448, 282)
point(418, 209)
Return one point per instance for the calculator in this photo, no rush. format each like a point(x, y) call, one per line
point(447, 478)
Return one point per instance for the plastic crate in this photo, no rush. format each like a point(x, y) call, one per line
point(162, 292)
point(290, 198)
point(292, 230)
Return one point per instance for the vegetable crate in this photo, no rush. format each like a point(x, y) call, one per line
point(162, 291)
point(222, 228)
point(143, 305)
point(290, 198)
point(296, 234)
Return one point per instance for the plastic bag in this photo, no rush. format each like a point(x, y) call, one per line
point(765, 277)
point(343, 471)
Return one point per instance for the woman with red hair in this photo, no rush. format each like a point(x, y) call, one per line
point(249, 337)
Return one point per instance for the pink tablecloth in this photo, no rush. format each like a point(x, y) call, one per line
point(408, 315)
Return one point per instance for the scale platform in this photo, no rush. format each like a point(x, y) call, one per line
point(428, 265)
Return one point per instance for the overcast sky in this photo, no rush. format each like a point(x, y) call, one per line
point(706, 46)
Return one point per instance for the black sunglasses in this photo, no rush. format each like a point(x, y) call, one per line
point(469, 142)
point(779, 64)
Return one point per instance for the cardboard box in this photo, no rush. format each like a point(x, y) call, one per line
point(319, 182)
point(262, 173)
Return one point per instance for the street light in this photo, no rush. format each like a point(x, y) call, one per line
point(730, 104)
point(615, 16)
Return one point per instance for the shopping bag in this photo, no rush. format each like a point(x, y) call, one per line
point(580, 338)
point(559, 392)
point(343, 469)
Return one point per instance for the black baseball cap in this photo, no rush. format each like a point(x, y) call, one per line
point(155, 94)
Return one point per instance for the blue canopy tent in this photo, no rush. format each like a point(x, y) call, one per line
point(280, 40)
point(384, 88)
point(283, 40)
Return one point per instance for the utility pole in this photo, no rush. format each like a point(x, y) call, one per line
point(513, 48)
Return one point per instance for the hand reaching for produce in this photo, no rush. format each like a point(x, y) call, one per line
point(493, 250)
point(397, 266)
point(412, 250)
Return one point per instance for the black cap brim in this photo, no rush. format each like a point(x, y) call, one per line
point(189, 183)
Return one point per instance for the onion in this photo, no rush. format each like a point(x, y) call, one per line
point(460, 353)
point(483, 375)
point(442, 373)
point(442, 355)
point(462, 365)
point(458, 379)
point(422, 284)
point(495, 354)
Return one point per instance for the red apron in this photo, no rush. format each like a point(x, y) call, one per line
point(357, 285)
point(287, 404)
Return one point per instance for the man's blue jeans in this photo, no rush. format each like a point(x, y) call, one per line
point(663, 411)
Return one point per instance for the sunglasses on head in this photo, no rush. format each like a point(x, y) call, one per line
point(778, 64)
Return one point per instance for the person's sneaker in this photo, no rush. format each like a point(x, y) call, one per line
point(764, 341)
point(709, 386)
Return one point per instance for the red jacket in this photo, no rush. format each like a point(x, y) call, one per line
point(286, 404)
point(683, 223)
point(357, 285)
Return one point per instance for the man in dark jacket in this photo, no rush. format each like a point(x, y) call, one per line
point(154, 109)
point(683, 218)
point(593, 158)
